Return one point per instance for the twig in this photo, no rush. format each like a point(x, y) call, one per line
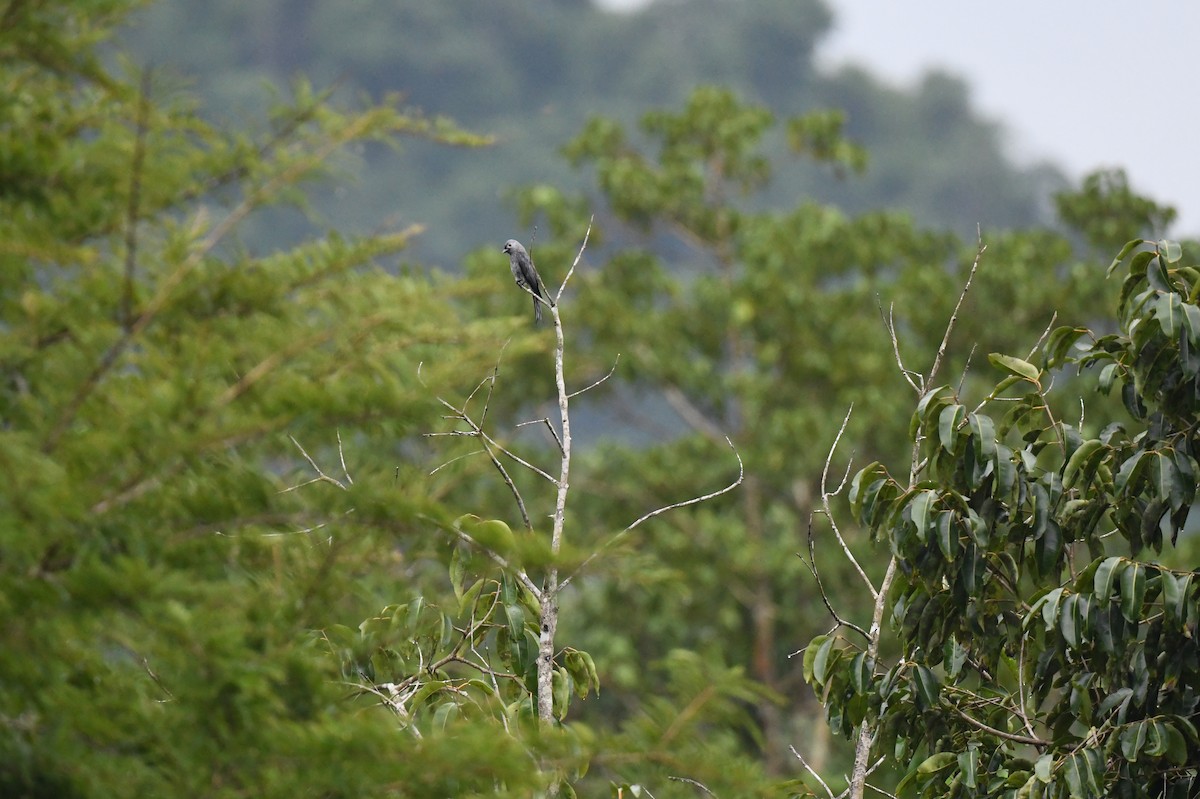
point(546, 421)
point(1045, 334)
point(321, 476)
point(574, 394)
point(826, 494)
point(962, 295)
point(812, 771)
point(694, 500)
point(689, 781)
point(458, 458)
point(562, 287)
point(889, 323)
point(1009, 736)
point(342, 458)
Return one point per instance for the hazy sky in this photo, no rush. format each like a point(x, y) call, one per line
point(1083, 84)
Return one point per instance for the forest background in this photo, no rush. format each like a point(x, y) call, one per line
point(246, 251)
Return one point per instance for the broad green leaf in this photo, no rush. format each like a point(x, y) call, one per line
point(1133, 739)
point(1123, 254)
point(456, 574)
point(810, 656)
point(928, 686)
point(1175, 590)
point(1171, 251)
point(1129, 476)
point(947, 541)
point(1083, 462)
point(1191, 323)
point(1044, 767)
point(935, 763)
point(1015, 366)
point(948, 423)
point(1049, 605)
point(1106, 574)
point(968, 764)
point(822, 661)
point(919, 510)
point(1133, 591)
point(1170, 314)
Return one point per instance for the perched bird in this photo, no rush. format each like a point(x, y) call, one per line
point(527, 277)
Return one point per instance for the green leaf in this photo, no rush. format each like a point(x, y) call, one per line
point(1133, 591)
point(1044, 767)
point(470, 595)
point(1129, 477)
point(1083, 462)
point(948, 423)
point(456, 574)
point(1171, 251)
point(1015, 366)
point(928, 686)
point(1191, 323)
point(935, 763)
point(810, 656)
point(968, 764)
point(1174, 593)
point(1133, 739)
point(1169, 312)
point(826, 656)
point(1106, 573)
point(919, 510)
point(946, 540)
point(1123, 254)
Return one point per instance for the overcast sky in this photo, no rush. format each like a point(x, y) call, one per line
point(1081, 83)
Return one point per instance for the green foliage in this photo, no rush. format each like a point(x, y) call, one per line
point(1048, 643)
point(161, 583)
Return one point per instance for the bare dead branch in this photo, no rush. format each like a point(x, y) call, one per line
point(694, 500)
point(342, 458)
point(826, 494)
point(562, 287)
point(866, 735)
point(321, 476)
point(889, 324)
point(574, 394)
point(812, 771)
point(546, 421)
point(689, 781)
point(962, 295)
point(479, 451)
point(1042, 338)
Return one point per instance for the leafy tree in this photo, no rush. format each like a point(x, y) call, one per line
point(1047, 640)
point(161, 586)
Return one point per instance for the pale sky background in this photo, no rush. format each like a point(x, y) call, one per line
point(1081, 84)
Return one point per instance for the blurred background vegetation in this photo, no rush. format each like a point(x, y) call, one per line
point(200, 267)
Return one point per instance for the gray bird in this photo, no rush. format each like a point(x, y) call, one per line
point(527, 277)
